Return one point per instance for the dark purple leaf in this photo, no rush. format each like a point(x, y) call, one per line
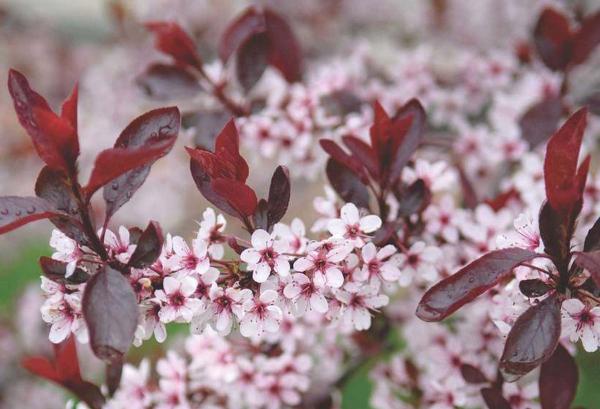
point(558, 380)
point(468, 191)
point(532, 339)
point(111, 314)
point(207, 126)
point(592, 239)
point(470, 282)
point(350, 162)
point(586, 39)
point(16, 211)
point(149, 246)
point(540, 121)
point(363, 153)
point(203, 183)
point(284, 49)
point(533, 288)
point(341, 103)
point(414, 112)
point(472, 374)
point(56, 270)
point(153, 131)
point(250, 22)
point(592, 101)
point(251, 60)
point(346, 184)
point(414, 199)
point(171, 39)
point(239, 196)
point(168, 82)
point(261, 218)
point(493, 398)
point(556, 231)
point(279, 195)
point(114, 370)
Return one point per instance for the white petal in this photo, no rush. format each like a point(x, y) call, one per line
point(319, 303)
point(291, 290)
point(248, 327)
point(188, 286)
point(369, 252)
point(250, 256)
point(261, 272)
point(386, 252)
point(59, 331)
point(260, 238)
point(370, 223)
point(335, 278)
point(336, 227)
point(171, 285)
point(268, 296)
point(303, 264)
point(349, 213)
point(282, 266)
point(180, 247)
point(362, 319)
point(573, 306)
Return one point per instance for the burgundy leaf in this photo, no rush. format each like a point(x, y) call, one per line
point(560, 165)
point(468, 191)
point(412, 113)
point(552, 38)
point(252, 21)
point(470, 282)
point(414, 199)
point(227, 148)
point(261, 217)
point(558, 380)
point(532, 339)
point(348, 161)
point(54, 137)
point(586, 39)
point(279, 196)
point(251, 60)
point(153, 126)
point(341, 103)
point(349, 187)
point(239, 195)
point(68, 112)
point(534, 288)
point(493, 398)
point(591, 262)
point(168, 82)
point(16, 211)
point(556, 231)
point(541, 120)
point(207, 125)
point(284, 49)
point(111, 314)
point(56, 270)
point(149, 246)
point(472, 374)
point(203, 183)
point(114, 371)
point(592, 239)
point(502, 199)
point(363, 153)
point(171, 39)
point(592, 101)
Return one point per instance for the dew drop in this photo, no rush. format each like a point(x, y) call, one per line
point(4, 212)
point(18, 213)
point(115, 185)
point(128, 194)
point(471, 280)
point(31, 209)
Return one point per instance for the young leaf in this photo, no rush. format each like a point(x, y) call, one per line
point(56, 271)
point(349, 187)
point(561, 176)
point(339, 155)
point(493, 398)
point(470, 282)
point(414, 199)
point(252, 21)
point(411, 114)
point(284, 49)
point(146, 139)
point(541, 120)
point(171, 39)
point(148, 248)
point(552, 38)
point(111, 314)
point(16, 211)
point(558, 380)
point(251, 60)
point(54, 138)
point(556, 231)
point(363, 153)
point(168, 82)
point(592, 239)
point(472, 374)
point(279, 196)
point(238, 195)
point(203, 182)
point(532, 339)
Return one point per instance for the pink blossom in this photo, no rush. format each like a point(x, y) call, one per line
point(176, 300)
point(261, 314)
point(266, 255)
point(352, 227)
point(358, 305)
point(581, 322)
point(306, 294)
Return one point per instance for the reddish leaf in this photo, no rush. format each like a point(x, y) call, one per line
point(558, 380)
point(591, 262)
point(414, 199)
point(493, 398)
point(279, 196)
point(251, 60)
point(69, 110)
point(156, 130)
point(468, 191)
point(171, 39)
point(111, 314)
point(252, 21)
point(348, 161)
point(114, 371)
point(363, 153)
point(41, 366)
point(16, 211)
point(284, 50)
point(552, 38)
point(261, 215)
point(560, 165)
point(203, 183)
point(56, 270)
point(412, 114)
point(346, 184)
point(341, 103)
point(238, 195)
point(541, 120)
point(533, 288)
point(532, 339)
point(470, 282)
point(472, 374)
point(66, 361)
point(556, 231)
point(586, 39)
point(227, 148)
point(164, 82)
point(207, 125)
point(502, 200)
point(149, 246)
point(54, 138)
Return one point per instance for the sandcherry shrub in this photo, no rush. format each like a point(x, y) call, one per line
point(455, 253)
